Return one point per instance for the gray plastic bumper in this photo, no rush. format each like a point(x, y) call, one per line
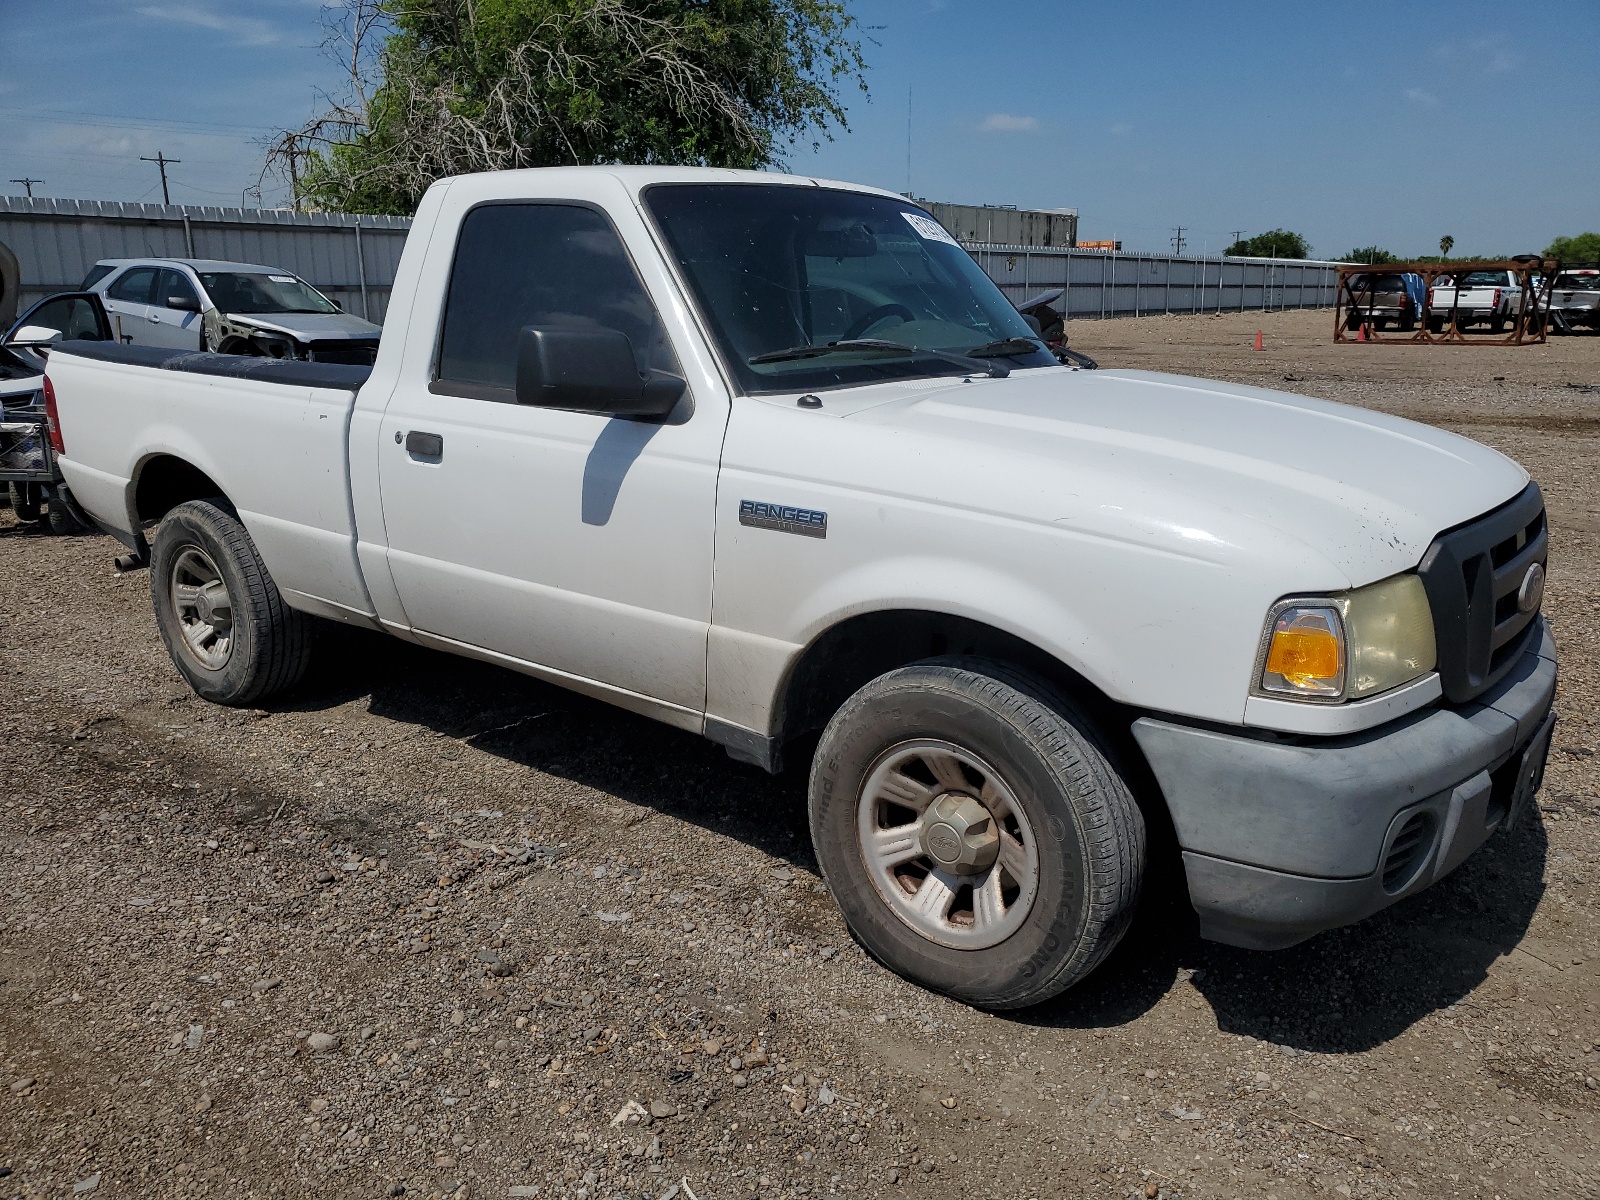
point(1283, 839)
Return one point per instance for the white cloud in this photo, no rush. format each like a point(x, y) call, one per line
point(1006, 123)
point(247, 31)
point(1417, 96)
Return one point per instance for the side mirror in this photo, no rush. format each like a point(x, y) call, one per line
point(34, 336)
point(590, 370)
point(183, 303)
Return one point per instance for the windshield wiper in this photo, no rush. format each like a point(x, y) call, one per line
point(965, 362)
point(1005, 348)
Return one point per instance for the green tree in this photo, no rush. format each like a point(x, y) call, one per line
point(1585, 247)
point(1371, 255)
point(1446, 244)
point(1275, 243)
point(444, 87)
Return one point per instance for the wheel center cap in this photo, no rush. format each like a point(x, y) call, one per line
point(959, 834)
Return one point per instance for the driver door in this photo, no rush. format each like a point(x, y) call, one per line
point(573, 542)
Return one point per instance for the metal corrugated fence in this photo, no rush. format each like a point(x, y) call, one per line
point(1100, 284)
point(353, 259)
point(350, 259)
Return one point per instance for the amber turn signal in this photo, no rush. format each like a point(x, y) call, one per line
point(1306, 654)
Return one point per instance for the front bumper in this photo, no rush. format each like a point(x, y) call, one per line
point(1282, 839)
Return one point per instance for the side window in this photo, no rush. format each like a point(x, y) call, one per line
point(175, 283)
point(135, 286)
point(538, 264)
point(74, 316)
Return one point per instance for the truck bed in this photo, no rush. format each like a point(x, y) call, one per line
point(275, 430)
point(231, 366)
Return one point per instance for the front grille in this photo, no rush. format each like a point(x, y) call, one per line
point(1407, 850)
point(353, 353)
point(1472, 575)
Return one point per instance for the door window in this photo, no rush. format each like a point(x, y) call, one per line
point(135, 286)
point(537, 264)
point(175, 283)
point(75, 316)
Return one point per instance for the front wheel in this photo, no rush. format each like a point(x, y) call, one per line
point(226, 627)
point(975, 833)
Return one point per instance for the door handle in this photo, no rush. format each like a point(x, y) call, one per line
point(428, 446)
point(155, 318)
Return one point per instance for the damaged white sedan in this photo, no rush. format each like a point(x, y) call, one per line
point(228, 307)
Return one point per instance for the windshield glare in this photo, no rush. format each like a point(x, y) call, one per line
point(252, 292)
point(779, 267)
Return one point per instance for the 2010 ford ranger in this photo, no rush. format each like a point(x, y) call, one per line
point(771, 459)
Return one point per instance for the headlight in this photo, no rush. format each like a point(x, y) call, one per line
point(1349, 645)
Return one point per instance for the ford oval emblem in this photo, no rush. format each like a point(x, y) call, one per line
point(1532, 589)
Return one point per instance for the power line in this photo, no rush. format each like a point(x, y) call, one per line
point(28, 183)
point(162, 161)
point(95, 120)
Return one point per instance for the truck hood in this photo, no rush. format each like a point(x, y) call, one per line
point(309, 327)
point(1205, 468)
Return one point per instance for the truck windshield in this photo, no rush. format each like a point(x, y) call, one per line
point(1589, 281)
point(1484, 279)
point(274, 292)
point(782, 271)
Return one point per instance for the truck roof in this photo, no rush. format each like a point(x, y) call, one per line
point(636, 179)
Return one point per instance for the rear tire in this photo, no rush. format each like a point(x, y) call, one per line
point(971, 746)
point(24, 501)
point(62, 522)
point(226, 627)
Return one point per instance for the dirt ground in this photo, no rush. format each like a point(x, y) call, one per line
point(429, 928)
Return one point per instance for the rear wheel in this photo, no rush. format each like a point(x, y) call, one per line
point(25, 501)
point(977, 836)
point(62, 522)
point(225, 625)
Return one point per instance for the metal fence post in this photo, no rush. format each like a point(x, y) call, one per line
point(361, 271)
point(188, 235)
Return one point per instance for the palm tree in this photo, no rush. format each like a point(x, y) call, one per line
point(1445, 245)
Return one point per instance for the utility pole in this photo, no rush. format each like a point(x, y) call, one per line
point(1177, 241)
point(162, 161)
point(28, 183)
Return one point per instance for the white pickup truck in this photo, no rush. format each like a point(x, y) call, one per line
point(1490, 298)
point(770, 459)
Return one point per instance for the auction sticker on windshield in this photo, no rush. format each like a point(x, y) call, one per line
point(928, 229)
point(281, 278)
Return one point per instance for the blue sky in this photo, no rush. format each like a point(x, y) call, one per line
point(1480, 120)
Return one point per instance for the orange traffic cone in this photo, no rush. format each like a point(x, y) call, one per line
point(1258, 340)
point(1362, 336)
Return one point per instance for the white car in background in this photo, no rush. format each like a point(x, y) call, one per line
point(228, 307)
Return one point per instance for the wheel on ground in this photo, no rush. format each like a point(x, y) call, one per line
point(225, 625)
point(62, 522)
point(975, 832)
point(24, 501)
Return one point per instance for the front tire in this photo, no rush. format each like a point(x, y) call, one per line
point(226, 627)
point(975, 832)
